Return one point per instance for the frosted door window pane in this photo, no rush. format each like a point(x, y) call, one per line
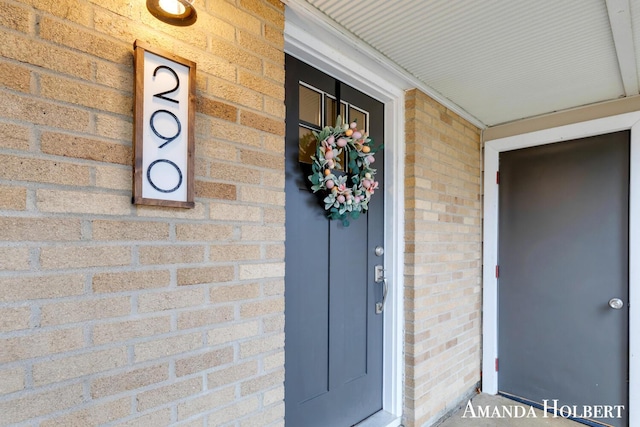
point(330, 111)
point(307, 145)
point(359, 117)
point(310, 106)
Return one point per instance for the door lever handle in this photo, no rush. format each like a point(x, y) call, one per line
point(380, 305)
point(379, 278)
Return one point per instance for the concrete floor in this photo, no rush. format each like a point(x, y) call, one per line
point(523, 417)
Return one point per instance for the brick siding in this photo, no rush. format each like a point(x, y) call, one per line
point(136, 315)
point(442, 259)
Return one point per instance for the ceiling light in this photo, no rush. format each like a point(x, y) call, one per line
point(174, 12)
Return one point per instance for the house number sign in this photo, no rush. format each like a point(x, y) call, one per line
point(164, 116)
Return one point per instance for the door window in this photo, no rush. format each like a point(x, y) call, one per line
point(317, 110)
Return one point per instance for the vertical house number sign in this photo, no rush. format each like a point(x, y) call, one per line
point(164, 117)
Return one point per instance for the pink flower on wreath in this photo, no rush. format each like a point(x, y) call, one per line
point(371, 190)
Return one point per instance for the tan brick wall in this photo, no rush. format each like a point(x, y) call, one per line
point(442, 259)
point(129, 315)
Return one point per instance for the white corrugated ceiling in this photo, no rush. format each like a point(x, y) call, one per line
point(503, 60)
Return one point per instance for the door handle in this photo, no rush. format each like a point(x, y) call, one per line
point(616, 303)
point(379, 278)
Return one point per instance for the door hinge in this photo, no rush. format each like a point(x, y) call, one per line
point(496, 364)
point(497, 271)
point(498, 177)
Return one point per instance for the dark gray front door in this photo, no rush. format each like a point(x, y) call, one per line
point(333, 344)
point(563, 254)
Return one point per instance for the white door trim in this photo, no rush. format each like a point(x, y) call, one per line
point(310, 39)
point(492, 151)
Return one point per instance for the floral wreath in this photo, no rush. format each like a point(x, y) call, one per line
point(341, 198)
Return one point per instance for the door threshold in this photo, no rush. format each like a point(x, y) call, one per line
point(381, 419)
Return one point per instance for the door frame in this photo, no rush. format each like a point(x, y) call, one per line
point(312, 39)
point(492, 150)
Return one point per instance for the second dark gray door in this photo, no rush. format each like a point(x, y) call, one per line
point(333, 343)
point(563, 255)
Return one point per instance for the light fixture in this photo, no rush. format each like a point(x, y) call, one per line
point(174, 12)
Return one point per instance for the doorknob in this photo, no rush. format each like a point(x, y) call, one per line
point(379, 278)
point(616, 303)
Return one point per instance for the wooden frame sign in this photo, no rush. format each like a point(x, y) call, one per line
point(164, 117)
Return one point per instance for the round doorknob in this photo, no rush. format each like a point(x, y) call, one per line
point(379, 251)
point(616, 303)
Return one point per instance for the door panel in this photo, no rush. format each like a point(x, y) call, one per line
point(333, 344)
point(563, 254)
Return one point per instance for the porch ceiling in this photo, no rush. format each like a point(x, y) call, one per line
point(503, 60)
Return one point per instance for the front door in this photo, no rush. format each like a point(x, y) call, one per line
point(563, 276)
point(333, 344)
